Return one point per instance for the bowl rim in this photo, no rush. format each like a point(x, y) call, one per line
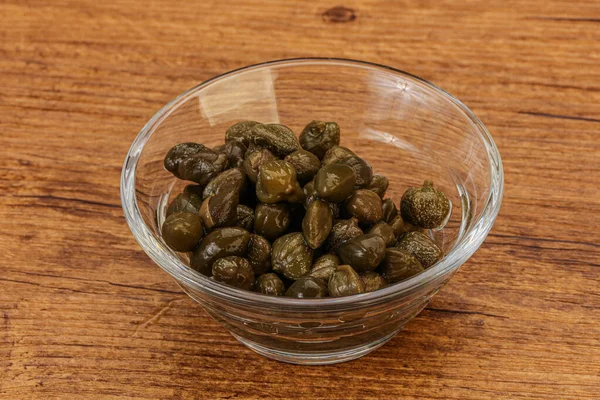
point(164, 258)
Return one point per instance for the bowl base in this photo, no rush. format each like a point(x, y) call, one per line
point(315, 358)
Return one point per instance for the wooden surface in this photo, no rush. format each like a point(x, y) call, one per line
point(85, 314)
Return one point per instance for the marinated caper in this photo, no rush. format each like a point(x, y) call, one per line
point(254, 160)
point(334, 182)
point(182, 231)
point(240, 132)
point(305, 163)
point(318, 137)
point(230, 180)
point(379, 184)
point(234, 151)
point(336, 154)
point(398, 265)
point(425, 207)
point(291, 256)
point(234, 271)
point(244, 217)
point(180, 152)
point(259, 254)
point(362, 170)
point(389, 210)
point(342, 231)
point(397, 225)
point(324, 267)
point(222, 242)
point(277, 182)
point(185, 202)
point(307, 287)
point(365, 206)
point(194, 162)
point(364, 252)
point(345, 282)
point(386, 232)
point(220, 209)
point(272, 220)
point(421, 246)
point(317, 223)
point(270, 284)
point(373, 281)
point(276, 137)
point(310, 193)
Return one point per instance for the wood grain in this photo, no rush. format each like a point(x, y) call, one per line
point(85, 314)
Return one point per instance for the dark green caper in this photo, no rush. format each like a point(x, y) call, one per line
point(230, 180)
point(194, 162)
point(307, 287)
point(235, 153)
point(270, 284)
point(397, 225)
point(342, 231)
point(345, 282)
point(305, 163)
point(180, 152)
point(234, 271)
point(276, 137)
point(291, 256)
point(398, 265)
point(240, 132)
point(324, 267)
point(259, 254)
point(254, 160)
point(277, 182)
point(334, 182)
point(364, 252)
point(373, 281)
point(379, 184)
point(421, 246)
point(425, 207)
point(317, 223)
point(222, 242)
point(195, 189)
point(362, 170)
point(244, 217)
point(389, 210)
point(271, 220)
point(336, 154)
point(220, 209)
point(185, 202)
point(318, 137)
point(386, 232)
point(182, 231)
point(365, 206)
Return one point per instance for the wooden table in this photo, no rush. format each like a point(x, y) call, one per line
point(86, 314)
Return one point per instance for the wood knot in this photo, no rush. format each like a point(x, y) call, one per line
point(339, 14)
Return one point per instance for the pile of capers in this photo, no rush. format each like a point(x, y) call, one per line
point(301, 217)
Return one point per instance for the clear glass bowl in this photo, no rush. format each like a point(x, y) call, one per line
point(407, 128)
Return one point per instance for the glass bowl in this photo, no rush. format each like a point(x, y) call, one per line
point(407, 128)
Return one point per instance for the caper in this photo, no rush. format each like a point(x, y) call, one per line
point(270, 284)
point(389, 210)
point(373, 281)
point(220, 209)
point(231, 180)
point(365, 206)
point(254, 159)
point(362, 170)
point(194, 162)
point(310, 193)
point(186, 202)
point(305, 163)
point(291, 256)
point(234, 151)
point(240, 132)
point(345, 282)
point(317, 223)
point(259, 254)
point(425, 207)
point(307, 287)
point(336, 154)
point(364, 252)
point(397, 225)
point(421, 246)
point(277, 182)
point(234, 271)
point(271, 220)
point(222, 242)
point(276, 137)
point(379, 184)
point(342, 231)
point(385, 231)
point(324, 267)
point(182, 231)
point(318, 137)
point(244, 217)
point(180, 152)
point(334, 182)
point(195, 189)
point(398, 265)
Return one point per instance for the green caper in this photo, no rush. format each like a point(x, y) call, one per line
point(324, 267)
point(276, 137)
point(364, 252)
point(425, 207)
point(230, 180)
point(185, 202)
point(379, 184)
point(389, 210)
point(220, 209)
point(259, 254)
point(317, 223)
point(234, 151)
point(234, 271)
point(373, 281)
point(180, 152)
point(398, 265)
point(397, 225)
point(362, 170)
point(421, 246)
point(305, 163)
point(291, 256)
point(365, 206)
point(318, 137)
point(345, 282)
point(386, 232)
point(222, 242)
point(182, 231)
point(194, 162)
point(277, 182)
point(336, 154)
point(334, 182)
point(194, 189)
point(244, 217)
point(240, 132)
point(270, 284)
point(310, 193)
point(307, 287)
point(254, 159)
point(342, 231)
point(271, 220)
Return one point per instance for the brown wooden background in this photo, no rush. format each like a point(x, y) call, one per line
point(85, 314)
